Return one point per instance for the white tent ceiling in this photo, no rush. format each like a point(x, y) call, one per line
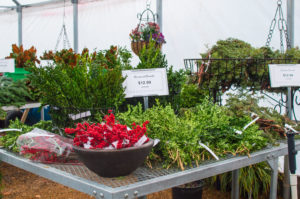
point(189, 26)
point(22, 2)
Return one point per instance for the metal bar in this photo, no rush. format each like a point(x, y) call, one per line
point(286, 179)
point(144, 187)
point(75, 182)
point(43, 113)
point(146, 103)
point(289, 103)
point(20, 28)
point(274, 177)
point(75, 24)
point(43, 3)
point(12, 7)
point(235, 194)
point(290, 29)
point(16, 2)
point(201, 172)
point(30, 105)
point(290, 20)
point(159, 13)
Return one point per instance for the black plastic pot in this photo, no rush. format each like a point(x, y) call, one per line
point(114, 162)
point(194, 192)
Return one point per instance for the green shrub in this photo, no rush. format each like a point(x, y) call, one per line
point(90, 84)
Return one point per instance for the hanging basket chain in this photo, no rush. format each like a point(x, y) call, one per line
point(63, 33)
point(282, 26)
point(150, 16)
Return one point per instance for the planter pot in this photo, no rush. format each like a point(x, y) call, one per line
point(20, 73)
point(138, 46)
point(189, 192)
point(114, 162)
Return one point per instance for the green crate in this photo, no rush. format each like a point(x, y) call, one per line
point(20, 73)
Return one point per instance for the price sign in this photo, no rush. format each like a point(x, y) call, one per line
point(284, 75)
point(146, 82)
point(45, 63)
point(7, 65)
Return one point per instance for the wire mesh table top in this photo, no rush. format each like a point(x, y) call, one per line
point(144, 180)
point(141, 174)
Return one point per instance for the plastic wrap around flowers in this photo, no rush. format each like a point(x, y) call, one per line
point(108, 135)
point(146, 31)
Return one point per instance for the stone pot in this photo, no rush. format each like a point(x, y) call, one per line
point(114, 162)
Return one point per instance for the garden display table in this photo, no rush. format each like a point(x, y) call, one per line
point(26, 108)
point(144, 180)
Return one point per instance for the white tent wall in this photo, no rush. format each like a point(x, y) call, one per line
point(189, 26)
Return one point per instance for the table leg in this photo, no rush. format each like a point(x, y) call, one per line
point(235, 194)
point(274, 177)
point(42, 113)
point(24, 116)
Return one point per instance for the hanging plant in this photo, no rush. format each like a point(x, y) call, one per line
point(146, 32)
point(143, 33)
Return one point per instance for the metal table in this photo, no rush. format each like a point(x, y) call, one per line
point(144, 180)
point(26, 108)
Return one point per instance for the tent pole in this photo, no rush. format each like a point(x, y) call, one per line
point(159, 13)
point(75, 24)
point(19, 11)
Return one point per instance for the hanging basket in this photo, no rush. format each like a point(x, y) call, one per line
point(137, 46)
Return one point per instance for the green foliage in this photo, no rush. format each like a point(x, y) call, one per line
point(114, 57)
point(88, 85)
point(230, 48)
point(176, 80)
point(251, 71)
point(8, 141)
point(241, 104)
point(12, 93)
point(254, 180)
point(191, 95)
point(152, 57)
point(179, 135)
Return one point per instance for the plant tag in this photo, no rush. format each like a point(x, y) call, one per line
point(284, 75)
point(45, 63)
point(156, 141)
point(88, 144)
point(7, 130)
point(7, 65)
point(145, 82)
point(209, 150)
point(80, 115)
point(115, 144)
point(291, 128)
point(141, 141)
point(250, 123)
point(238, 132)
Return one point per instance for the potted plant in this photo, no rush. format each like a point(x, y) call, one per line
point(143, 33)
point(111, 149)
point(23, 59)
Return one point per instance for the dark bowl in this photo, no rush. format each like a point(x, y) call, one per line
point(114, 162)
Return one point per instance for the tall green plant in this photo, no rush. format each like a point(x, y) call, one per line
point(88, 85)
point(152, 57)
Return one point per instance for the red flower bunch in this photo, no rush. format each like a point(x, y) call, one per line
point(108, 135)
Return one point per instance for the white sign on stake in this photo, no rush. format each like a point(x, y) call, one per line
point(284, 75)
point(145, 82)
point(7, 65)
